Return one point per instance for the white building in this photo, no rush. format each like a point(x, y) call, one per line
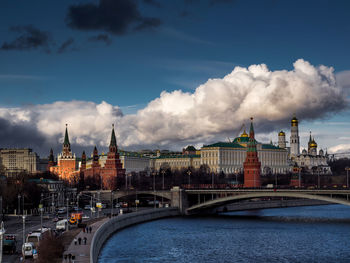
point(15, 161)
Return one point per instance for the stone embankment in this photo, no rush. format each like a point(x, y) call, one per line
point(109, 227)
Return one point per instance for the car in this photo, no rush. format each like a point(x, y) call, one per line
point(87, 207)
point(85, 217)
point(117, 205)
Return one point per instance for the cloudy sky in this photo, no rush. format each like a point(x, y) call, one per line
point(170, 73)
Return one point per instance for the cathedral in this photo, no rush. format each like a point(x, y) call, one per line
point(310, 159)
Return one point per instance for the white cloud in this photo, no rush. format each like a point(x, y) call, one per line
point(341, 148)
point(215, 110)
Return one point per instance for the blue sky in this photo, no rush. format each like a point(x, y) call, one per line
point(187, 43)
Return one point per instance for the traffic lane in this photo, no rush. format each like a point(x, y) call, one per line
point(16, 227)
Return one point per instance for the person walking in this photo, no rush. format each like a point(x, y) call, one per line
point(75, 241)
point(79, 240)
point(90, 228)
point(84, 229)
point(85, 239)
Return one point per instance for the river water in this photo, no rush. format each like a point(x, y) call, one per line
point(300, 234)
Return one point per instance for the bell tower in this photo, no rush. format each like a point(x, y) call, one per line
point(294, 138)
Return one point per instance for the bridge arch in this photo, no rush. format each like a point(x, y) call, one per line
point(226, 200)
point(164, 194)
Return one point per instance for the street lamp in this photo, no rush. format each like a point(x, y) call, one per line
point(154, 189)
point(189, 178)
point(112, 199)
point(67, 200)
point(347, 176)
point(19, 204)
point(318, 177)
point(163, 172)
point(2, 232)
point(24, 229)
point(41, 211)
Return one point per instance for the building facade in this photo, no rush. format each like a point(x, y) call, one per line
point(15, 161)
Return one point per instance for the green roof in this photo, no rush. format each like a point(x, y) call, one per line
point(178, 156)
point(113, 139)
point(224, 144)
point(270, 147)
point(66, 138)
point(190, 148)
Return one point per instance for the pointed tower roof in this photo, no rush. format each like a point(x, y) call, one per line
point(310, 139)
point(51, 157)
point(113, 138)
point(251, 131)
point(66, 137)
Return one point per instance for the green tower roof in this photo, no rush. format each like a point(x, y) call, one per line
point(66, 138)
point(113, 139)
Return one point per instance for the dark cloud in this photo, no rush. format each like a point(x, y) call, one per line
point(114, 16)
point(101, 37)
point(29, 38)
point(21, 136)
point(65, 45)
point(152, 3)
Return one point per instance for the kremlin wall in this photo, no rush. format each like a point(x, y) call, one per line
point(242, 155)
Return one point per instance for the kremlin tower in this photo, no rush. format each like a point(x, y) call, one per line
point(113, 167)
point(251, 164)
point(66, 161)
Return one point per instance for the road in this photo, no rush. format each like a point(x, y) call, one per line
point(14, 225)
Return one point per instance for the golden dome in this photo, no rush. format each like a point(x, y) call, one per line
point(294, 121)
point(244, 134)
point(281, 133)
point(313, 144)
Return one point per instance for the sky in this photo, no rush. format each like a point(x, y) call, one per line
point(172, 73)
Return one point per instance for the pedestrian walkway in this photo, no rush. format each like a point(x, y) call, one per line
point(81, 253)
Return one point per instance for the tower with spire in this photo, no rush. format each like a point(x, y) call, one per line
point(294, 138)
point(66, 161)
point(51, 162)
point(252, 165)
point(113, 167)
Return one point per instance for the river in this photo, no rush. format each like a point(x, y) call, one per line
point(299, 234)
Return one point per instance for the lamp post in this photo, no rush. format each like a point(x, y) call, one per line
point(318, 177)
point(299, 169)
point(24, 229)
point(41, 212)
point(275, 180)
point(347, 176)
point(163, 172)
point(98, 200)
point(19, 204)
point(2, 232)
point(212, 184)
point(67, 200)
point(189, 178)
point(112, 199)
point(154, 189)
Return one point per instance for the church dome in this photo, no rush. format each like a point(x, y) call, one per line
point(281, 133)
point(304, 152)
point(244, 134)
point(321, 152)
point(313, 144)
point(294, 121)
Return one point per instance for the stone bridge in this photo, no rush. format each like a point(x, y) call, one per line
point(193, 201)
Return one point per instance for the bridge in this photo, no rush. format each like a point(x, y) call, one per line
point(196, 201)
